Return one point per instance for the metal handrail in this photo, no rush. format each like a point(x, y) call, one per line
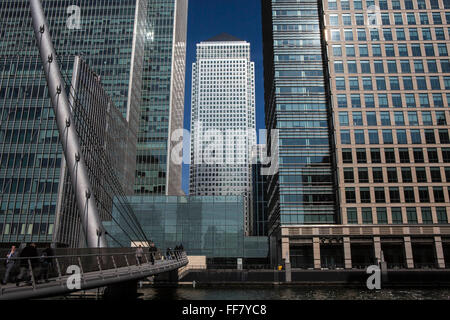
point(178, 258)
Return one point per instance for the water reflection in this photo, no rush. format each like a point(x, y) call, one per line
point(291, 293)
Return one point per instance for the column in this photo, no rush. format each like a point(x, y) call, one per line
point(285, 257)
point(439, 252)
point(316, 252)
point(347, 253)
point(377, 248)
point(408, 253)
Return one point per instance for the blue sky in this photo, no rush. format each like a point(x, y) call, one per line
point(208, 18)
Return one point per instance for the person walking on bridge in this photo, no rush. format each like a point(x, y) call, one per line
point(139, 254)
point(29, 253)
point(10, 263)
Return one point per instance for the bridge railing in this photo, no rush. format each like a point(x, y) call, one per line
point(36, 270)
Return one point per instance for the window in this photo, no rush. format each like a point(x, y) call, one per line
point(343, 118)
point(418, 155)
point(444, 136)
point(352, 217)
point(401, 137)
point(345, 137)
point(361, 155)
point(337, 51)
point(387, 136)
point(409, 194)
point(385, 118)
point(429, 136)
point(369, 101)
point(347, 156)
point(359, 137)
point(364, 195)
point(356, 100)
point(394, 195)
point(438, 194)
point(389, 155)
point(427, 218)
point(382, 216)
point(367, 215)
point(415, 137)
point(411, 215)
point(338, 67)
point(348, 175)
point(373, 137)
point(377, 175)
point(350, 50)
point(441, 213)
point(405, 66)
point(365, 66)
point(421, 174)
point(399, 118)
point(379, 195)
point(357, 118)
point(435, 174)
point(424, 196)
point(363, 175)
point(350, 196)
point(392, 175)
point(404, 155)
point(371, 118)
point(396, 214)
point(375, 155)
point(432, 155)
point(406, 175)
point(342, 101)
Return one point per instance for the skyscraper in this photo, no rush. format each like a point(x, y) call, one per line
point(383, 69)
point(296, 105)
point(110, 39)
point(222, 117)
point(162, 108)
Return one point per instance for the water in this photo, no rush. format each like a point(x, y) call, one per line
point(292, 293)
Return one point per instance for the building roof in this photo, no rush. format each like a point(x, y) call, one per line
point(223, 37)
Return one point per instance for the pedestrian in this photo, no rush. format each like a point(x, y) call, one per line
point(46, 262)
point(168, 256)
point(152, 251)
point(139, 254)
point(10, 263)
point(28, 254)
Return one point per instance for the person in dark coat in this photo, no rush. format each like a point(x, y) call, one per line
point(46, 263)
point(10, 263)
point(152, 251)
point(30, 252)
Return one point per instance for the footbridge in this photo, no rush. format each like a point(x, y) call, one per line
point(84, 269)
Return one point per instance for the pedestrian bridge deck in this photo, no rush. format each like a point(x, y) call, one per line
point(99, 271)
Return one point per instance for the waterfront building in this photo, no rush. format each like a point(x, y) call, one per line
point(386, 86)
point(222, 119)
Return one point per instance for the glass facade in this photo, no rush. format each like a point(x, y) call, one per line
point(162, 107)
point(30, 152)
point(205, 225)
point(296, 104)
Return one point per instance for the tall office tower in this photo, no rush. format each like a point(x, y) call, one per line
point(296, 104)
point(110, 39)
point(162, 107)
point(222, 118)
point(390, 80)
point(258, 209)
point(388, 68)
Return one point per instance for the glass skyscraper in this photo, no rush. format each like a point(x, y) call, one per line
point(296, 105)
point(162, 108)
point(110, 39)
